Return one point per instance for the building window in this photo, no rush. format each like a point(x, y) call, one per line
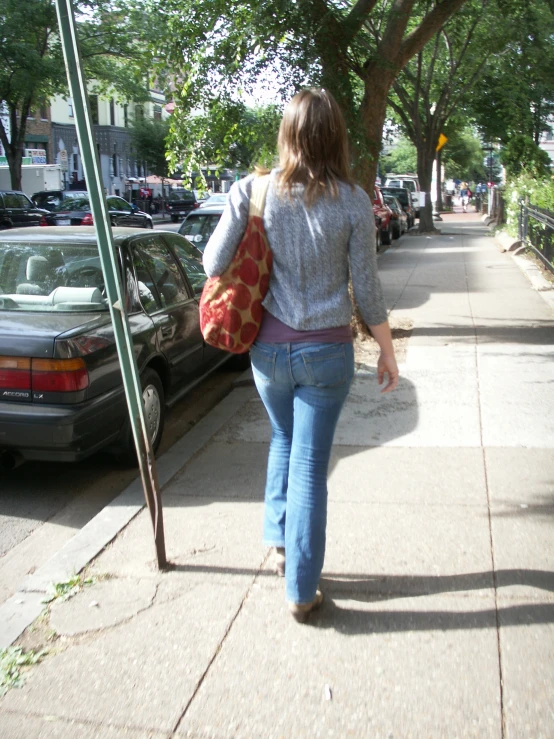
point(70, 108)
point(93, 101)
point(139, 112)
point(112, 112)
point(126, 115)
point(549, 136)
point(75, 162)
point(44, 112)
point(157, 112)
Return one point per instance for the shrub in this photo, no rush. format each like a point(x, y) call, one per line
point(539, 191)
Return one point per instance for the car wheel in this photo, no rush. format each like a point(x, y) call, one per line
point(174, 219)
point(153, 401)
point(386, 236)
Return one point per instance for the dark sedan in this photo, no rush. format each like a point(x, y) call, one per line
point(61, 393)
point(403, 195)
point(77, 212)
point(50, 199)
point(399, 217)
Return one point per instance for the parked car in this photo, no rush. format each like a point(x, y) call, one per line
point(77, 212)
point(382, 210)
point(50, 199)
point(220, 198)
point(403, 195)
point(377, 232)
point(399, 218)
point(410, 182)
point(61, 394)
point(181, 202)
point(200, 224)
point(17, 210)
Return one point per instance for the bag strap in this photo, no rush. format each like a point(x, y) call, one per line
point(257, 199)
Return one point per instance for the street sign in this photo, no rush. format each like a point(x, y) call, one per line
point(63, 160)
point(442, 141)
point(110, 268)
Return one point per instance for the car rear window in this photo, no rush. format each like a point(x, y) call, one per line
point(46, 198)
point(47, 277)
point(198, 227)
point(401, 194)
point(186, 195)
point(76, 204)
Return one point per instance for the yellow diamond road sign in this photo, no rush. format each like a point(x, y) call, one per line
point(442, 141)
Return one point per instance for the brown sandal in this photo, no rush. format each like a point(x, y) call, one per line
point(301, 611)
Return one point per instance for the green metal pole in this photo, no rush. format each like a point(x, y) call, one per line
point(109, 262)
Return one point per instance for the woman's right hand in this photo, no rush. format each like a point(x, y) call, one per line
point(386, 365)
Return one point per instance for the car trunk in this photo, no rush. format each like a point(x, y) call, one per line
point(29, 334)
point(31, 368)
point(68, 218)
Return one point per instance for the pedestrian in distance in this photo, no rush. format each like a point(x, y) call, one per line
point(320, 227)
point(464, 188)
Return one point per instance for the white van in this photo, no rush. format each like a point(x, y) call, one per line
point(410, 182)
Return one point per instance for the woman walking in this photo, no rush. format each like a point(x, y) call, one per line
point(321, 229)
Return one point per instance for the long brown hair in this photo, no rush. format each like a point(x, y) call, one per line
point(313, 145)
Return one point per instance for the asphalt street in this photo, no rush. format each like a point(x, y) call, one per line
point(42, 505)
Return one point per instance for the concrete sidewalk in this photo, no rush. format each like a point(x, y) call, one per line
point(439, 573)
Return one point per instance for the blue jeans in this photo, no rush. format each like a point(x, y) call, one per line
point(303, 387)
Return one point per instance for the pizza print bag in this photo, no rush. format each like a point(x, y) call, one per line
point(231, 305)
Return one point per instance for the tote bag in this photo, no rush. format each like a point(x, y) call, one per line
point(231, 305)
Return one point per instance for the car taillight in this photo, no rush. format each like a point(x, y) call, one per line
point(15, 373)
point(59, 375)
point(196, 205)
point(43, 221)
point(87, 220)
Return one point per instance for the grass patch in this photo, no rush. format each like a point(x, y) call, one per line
point(13, 661)
point(64, 590)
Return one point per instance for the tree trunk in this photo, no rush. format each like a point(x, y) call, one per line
point(439, 181)
point(14, 155)
point(373, 111)
point(14, 147)
point(425, 158)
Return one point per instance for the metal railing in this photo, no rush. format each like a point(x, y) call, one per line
point(536, 232)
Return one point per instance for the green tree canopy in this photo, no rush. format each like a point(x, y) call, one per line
point(226, 134)
point(32, 68)
point(434, 86)
point(463, 157)
point(214, 50)
point(522, 154)
point(148, 138)
point(402, 157)
point(515, 94)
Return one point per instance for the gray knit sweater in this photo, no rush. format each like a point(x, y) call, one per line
point(312, 250)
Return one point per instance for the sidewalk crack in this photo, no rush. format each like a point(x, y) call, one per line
point(220, 645)
point(489, 513)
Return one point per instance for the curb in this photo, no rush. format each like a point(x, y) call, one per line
point(536, 278)
point(507, 242)
point(510, 245)
point(18, 612)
